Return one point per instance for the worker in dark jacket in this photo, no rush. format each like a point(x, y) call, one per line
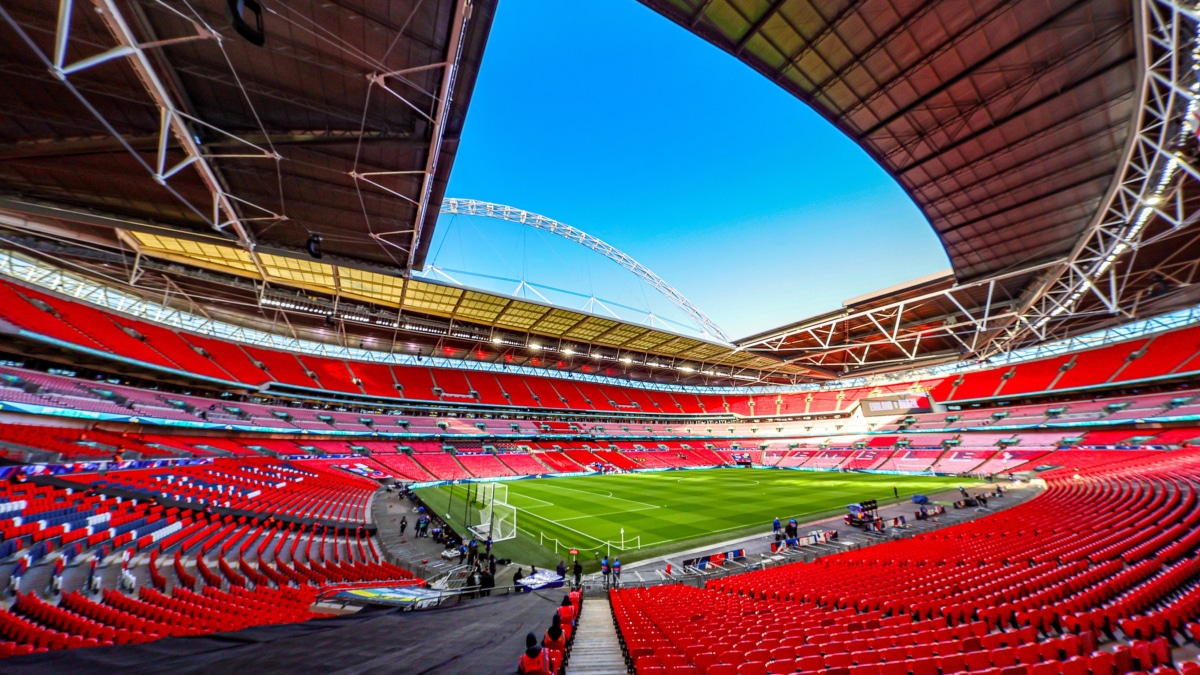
point(536, 659)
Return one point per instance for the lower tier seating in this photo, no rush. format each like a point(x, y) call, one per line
point(1098, 576)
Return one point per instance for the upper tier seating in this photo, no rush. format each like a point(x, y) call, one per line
point(911, 460)
point(78, 323)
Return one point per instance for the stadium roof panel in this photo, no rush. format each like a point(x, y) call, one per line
point(343, 123)
point(488, 325)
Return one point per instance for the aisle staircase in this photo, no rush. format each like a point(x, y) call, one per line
point(596, 649)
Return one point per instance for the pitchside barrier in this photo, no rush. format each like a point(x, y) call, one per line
point(810, 539)
point(630, 544)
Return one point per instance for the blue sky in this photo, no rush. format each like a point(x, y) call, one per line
point(609, 117)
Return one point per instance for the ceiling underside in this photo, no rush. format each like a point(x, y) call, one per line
point(334, 126)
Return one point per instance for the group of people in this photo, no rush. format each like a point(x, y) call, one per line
point(781, 532)
point(610, 569)
point(483, 577)
point(470, 551)
point(576, 570)
point(549, 656)
point(422, 527)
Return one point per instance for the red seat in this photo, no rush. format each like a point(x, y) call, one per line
point(1046, 668)
point(784, 652)
point(951, 663)
point(752, 668)
point(758, 655)
point(977, 661)
point(781, 667)
point(1004, 657)
point(1029, 653)
point(810, 663)
point(839, 660)
point(926, 666)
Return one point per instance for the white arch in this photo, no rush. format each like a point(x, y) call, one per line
point(473, 207)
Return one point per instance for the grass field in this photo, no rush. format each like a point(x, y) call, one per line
point(671, 511)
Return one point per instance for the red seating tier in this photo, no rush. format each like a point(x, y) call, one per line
point(1025, 588)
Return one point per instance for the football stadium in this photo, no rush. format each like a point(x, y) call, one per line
point(269, 401)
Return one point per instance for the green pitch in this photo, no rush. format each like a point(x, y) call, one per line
point(671, 511)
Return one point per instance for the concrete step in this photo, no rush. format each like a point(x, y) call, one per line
point(597, 648)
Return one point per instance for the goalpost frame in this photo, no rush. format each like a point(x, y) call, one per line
point(497, 518)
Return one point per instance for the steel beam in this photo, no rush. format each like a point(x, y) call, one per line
point(1150, 185)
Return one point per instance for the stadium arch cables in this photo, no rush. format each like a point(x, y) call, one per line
point(474, 207)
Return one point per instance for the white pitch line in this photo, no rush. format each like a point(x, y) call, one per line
point(596, 494)
point(525, 496)
point(555, 522)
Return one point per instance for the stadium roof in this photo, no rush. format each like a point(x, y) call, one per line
point(343, 122)
point(1029, 133)
point(1046, 143)
point(320, 301)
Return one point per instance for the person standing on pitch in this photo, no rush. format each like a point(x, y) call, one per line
point(895, 492)
point(616, 569)
point(776, 527)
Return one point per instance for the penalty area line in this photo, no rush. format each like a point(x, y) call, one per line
point(556, 523)
point(610, 513)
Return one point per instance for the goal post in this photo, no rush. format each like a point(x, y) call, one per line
point(495, 517)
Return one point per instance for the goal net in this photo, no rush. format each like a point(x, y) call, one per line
point(495, 517)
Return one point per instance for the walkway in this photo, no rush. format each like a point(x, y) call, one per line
point(596, 649)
